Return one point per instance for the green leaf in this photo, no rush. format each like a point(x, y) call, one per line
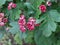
point(11, 15)
point(18, 39)
point(29, 37)
point(30, 12)
point(9, 0)
point(40, 19)
point(2, 32)
point(17, 14)
point(37, 14)
point(37, 3)
point(2, 2)
point(41, 40)
point(52, 0)
point(27, 4)
point(15, 28)
point(1, 35)
point(58, 42)
point(48, 28)
point(49, 25)
point(54, 15)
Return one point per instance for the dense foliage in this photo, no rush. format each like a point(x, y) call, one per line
point(36, 22)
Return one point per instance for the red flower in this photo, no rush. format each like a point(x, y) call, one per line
point(5, 20)
point(13, 5)
point(42, 8)
point(49, 3)
point(1, 15)
point(22, 28)
point(2, 24)
point(30, 26)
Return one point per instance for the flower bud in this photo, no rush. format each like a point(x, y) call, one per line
point(42, 8)
point(2, 24)
point(13, 5)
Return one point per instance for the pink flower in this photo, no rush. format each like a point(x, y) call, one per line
point(5, 20)
point(22, 20)
point(31, 23)
point(7, 28)
point(9, 8)
point(22, 23)
point(22, 28)
point(13, 5)
point(1, 15)
point(22, 17)
point(2, 24)
point(49, 3)
point(42, 8)
point(0, 19)
point(30, 26)
point(31, 19)
point(10, 4)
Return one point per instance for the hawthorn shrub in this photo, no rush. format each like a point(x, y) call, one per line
point(36, 22)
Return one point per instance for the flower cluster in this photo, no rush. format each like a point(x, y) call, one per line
point(11, 5)
point(43, 7)
point(22, 23)
point(30, 25)
point(2, 19)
